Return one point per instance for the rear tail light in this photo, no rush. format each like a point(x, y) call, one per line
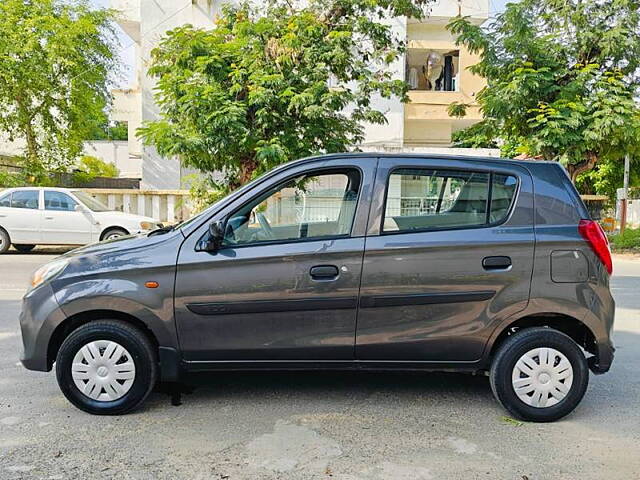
point(592, 232)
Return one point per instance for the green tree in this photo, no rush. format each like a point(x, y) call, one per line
point(55, 60)
point(276, 83)
point(103, 129)
point(608, 177)
point(91, 167)
point(561, 78)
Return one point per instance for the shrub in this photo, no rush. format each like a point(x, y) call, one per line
point(9, 180)
point(630, 238)
point(91, 167)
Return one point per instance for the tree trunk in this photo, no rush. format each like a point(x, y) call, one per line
point(586, 165)
point(247, 167)
point(32, 144)
point(30, 136)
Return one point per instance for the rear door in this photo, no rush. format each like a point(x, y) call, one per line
point(449, 254)
point(21, 217)
point(284, 285)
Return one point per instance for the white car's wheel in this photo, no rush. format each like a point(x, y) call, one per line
point(114, 233)
point(5, 241)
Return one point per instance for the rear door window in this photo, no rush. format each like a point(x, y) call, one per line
point(430, 199)
point(25, 199)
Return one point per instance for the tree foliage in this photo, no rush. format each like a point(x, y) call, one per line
point(104, 129)
point(274, 83)
point(55, 59)
point(562, 78)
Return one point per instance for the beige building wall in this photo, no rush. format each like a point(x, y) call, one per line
point(426, 119)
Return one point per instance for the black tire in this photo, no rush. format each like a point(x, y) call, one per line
point(23, 248)
point(5, 241)
point(518, 345)
point(134, 341)
point(113, 233)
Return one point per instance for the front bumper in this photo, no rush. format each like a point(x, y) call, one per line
point(39, 318)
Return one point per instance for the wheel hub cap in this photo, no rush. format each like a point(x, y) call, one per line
point(103, 370)
point(542, 377)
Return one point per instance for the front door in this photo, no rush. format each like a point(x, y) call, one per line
point(61, 223)
point(284, 285)
point(449, 254)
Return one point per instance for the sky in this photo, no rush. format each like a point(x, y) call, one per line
point(127, 52)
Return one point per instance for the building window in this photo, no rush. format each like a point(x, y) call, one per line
point(433, 70)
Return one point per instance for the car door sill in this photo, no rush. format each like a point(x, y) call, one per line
point(287, 365)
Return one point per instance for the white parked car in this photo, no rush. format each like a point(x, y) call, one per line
point(59, 216)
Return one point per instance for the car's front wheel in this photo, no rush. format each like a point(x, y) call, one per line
point(114, 233)
point(106, 367)
point(539, 375)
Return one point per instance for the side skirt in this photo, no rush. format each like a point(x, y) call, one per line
point(331, 365)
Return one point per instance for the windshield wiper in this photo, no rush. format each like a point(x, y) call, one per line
point(164, 230)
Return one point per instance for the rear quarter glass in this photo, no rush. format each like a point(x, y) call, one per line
point(573, 193)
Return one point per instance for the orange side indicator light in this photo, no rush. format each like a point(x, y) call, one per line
point(152, 284)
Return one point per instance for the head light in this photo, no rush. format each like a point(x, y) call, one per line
point(147, 226)
point(47, 272)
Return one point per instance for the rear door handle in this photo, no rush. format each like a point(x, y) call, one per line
point(324, 272)
point(496, 263)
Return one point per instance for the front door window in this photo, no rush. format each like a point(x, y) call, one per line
point(308, 207)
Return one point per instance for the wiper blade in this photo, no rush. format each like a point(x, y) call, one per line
point(164, 230)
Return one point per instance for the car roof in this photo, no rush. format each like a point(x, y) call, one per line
point(426, 156)
point(18, 189)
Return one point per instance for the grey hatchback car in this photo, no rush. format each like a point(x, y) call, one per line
point(349, 261)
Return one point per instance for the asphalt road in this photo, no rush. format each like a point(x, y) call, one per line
point(319, 426)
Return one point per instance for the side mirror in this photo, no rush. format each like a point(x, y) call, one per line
point(213, 241)
point(81, 209)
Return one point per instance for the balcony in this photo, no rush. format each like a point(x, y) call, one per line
point(434, 105)
point(128, 17)
point(441, 12)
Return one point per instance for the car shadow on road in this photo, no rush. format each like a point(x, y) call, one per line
point(237, 386)
point(606, 405)
point(41, 251)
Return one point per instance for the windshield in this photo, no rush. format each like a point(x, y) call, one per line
point(90, 202)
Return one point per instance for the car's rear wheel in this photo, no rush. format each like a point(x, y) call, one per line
point(114, 233)
point(23, 248)
point(106, 367)
point(5, 241)
point(539, 375)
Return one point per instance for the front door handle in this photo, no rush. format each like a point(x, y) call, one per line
point(496, 263)
point(324, 272)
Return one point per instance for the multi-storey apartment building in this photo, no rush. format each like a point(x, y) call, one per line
point(434, 66)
